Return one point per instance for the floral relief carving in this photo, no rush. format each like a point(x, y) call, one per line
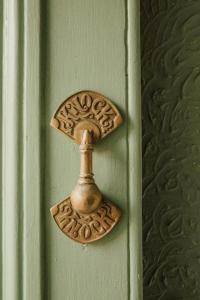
point(171, 149)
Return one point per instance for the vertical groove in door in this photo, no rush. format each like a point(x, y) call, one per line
point(43, 105)
point(12, 135)
point(134, 149)
point(32, 205)
point(1, 124)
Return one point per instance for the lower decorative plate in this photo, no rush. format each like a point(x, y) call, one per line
point(85, 228)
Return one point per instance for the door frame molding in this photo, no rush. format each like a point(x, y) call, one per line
point(134, 149)
point(21, 174)
point(22, 179)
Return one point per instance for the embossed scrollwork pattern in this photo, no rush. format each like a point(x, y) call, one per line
point(82, 227)
point(86, 105)
point(171, 149)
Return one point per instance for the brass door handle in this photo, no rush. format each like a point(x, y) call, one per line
point(86, 196)
point(85, 215)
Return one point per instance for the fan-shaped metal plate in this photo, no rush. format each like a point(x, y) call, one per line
point(86, 110)
point(85, 228)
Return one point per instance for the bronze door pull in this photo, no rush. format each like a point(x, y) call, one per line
point(86, 117)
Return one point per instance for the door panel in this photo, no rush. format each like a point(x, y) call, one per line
point(81, 54)
point(70, 46)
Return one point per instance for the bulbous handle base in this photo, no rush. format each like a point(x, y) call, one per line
point(86, 198)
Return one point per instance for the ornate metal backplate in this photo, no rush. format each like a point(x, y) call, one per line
point(85, 216)
point(86, 109)
point(85, 228)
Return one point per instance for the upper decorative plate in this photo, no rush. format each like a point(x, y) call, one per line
point(86, 110)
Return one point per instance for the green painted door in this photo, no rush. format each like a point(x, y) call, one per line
point(50, 50)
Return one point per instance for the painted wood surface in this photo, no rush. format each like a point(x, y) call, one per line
point(11, 154)
point(134, 168)
point(81, 54)
point(32, 158)
point(68, 46)
point(1, 78)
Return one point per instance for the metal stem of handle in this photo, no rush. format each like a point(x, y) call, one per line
point(86, 148)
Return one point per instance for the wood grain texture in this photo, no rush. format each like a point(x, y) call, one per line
point(1, 160)
point(85, 50)
point(51, 49)
point(11, 153)
point(171, 142)
point(21, 244)
point(134, 142)
point(32, 165)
